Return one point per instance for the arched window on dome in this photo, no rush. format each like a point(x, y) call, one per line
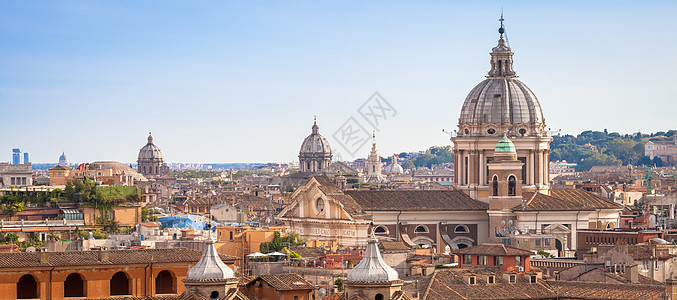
point(512, 186)
point(144, 170)
point(494, 186)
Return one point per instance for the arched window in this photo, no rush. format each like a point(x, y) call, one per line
point(164, 283)
point(74, 286)
point(511, 186)
point(461, 229)
point(378, 297)
point(461, 246)
point(144, 170)
point(494, 185)
point(421, 229)
point(27, 287)
point(214, 295)
point(380, 229)
point(119, 284)
point(319, 203)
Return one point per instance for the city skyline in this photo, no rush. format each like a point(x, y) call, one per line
point(234, 82)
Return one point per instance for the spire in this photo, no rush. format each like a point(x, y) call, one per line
point(210, 265)
point(316, 129)
point(150, 137)
point(501, 56)
point(372, 267)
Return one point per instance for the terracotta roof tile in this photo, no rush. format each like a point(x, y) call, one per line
point(493, 250)
point(90, 258)
point(416, 200)
point(598, 290)
point(565, 199)
point(285, 282)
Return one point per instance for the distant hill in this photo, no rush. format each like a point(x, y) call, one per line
point(601, 148)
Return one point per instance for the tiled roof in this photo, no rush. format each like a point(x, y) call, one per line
point(493, 250)
point(149, 224)
point(326, 185)
point(565, 200)
point(598, 290)
point(308, 252)
point(416, 200)
point(452, 284)
point(257, 203)
point(387, 245)
point(91, 258)
point(285, 282)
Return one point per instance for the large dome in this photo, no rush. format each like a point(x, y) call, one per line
point(501, 104)
point(500, 101)
point(315, 143)
point(150, 151)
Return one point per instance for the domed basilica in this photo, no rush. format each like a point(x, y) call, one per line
point(315, 154)
point(501, 105)
point(150, 162)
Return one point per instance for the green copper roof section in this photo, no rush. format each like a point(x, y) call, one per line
point(505, 146)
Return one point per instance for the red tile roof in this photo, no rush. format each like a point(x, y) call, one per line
point(416, 200)
point(91, 258)
point(565, 199)
point(493, 250)
point(285, 282)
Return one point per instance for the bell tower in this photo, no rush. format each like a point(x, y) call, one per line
point(505, 185)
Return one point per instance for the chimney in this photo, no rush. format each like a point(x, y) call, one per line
point(631, 273)
point(103, 255)
point(44, 257)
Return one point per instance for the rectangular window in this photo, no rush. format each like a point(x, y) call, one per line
point(546, 242)
point(532, 279)
point(513, 278)
point(537, 243)
point(499, 260)
point(13, 180)
point(482, 260)
point(490, 279)
point(467, 259)
point(472, 280)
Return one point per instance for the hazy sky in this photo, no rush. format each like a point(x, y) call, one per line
point(240, 81)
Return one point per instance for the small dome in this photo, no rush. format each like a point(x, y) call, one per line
point(210, 266)
point(505, 145)
point(315, 143)
point(150, 151)
point(63, 159)
point(372, 267)
point(394, 166)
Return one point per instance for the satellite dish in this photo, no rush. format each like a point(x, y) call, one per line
point(30, 249)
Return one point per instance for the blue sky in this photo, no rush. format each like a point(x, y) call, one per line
point(240, 81)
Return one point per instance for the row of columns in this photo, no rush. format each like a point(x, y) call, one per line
point(470, 167)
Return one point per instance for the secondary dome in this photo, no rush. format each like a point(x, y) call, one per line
point(372, 267)
point(505, 145)
point(315, 143)
point(501, 104)
point(150, 151)
point(210, 266)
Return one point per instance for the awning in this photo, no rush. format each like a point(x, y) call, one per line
point(407, 240)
